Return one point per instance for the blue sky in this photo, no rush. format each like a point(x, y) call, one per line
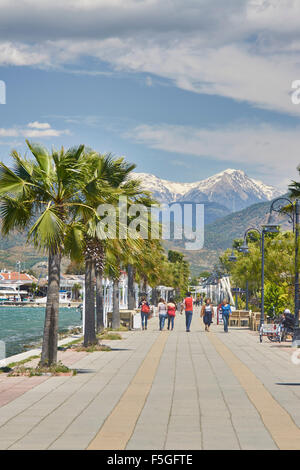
point(201, 87)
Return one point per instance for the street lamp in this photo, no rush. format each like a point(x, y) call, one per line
point(233, 259)
point(245, 249)
point(272, 226)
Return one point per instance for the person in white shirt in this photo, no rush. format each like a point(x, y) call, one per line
point(162, 313)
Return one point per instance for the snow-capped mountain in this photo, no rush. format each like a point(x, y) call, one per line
point(232, 189)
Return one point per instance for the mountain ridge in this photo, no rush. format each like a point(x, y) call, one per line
point(230, 188)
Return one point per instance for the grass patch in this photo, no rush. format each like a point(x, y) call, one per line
point(19, 363)
point(110, 335)
point(91, 348)
point(122, 328)
point(66, 346)
point(55, 369)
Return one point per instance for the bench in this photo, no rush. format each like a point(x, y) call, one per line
point(240, 318)
point(234, 318)
point(255, 321)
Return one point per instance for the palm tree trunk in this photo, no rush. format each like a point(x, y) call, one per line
point(89, 302)
point(99, 301)
point(154, 296)
point(131, 291)
point(116, 307)
point(145, 285)
point(49, 348)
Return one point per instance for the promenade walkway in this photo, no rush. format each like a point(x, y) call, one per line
point(161, 390)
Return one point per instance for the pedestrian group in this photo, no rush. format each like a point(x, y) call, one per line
point(167, 312)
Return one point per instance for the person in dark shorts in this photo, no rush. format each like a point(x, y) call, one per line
point(207, 313)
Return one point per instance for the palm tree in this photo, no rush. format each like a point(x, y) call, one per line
point(117, 254)
point(131, 291)
point(105, 182)
point(107, 179)
point(38, 195)
point(114, 173)
point(113, 271)
point(76, 290)
point(137, 261)
point(99, 262)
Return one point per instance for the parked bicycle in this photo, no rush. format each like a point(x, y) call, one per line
point(281, 327)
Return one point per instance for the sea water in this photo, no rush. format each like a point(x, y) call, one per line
point(21, 327)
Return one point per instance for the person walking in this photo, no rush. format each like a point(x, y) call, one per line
point(188, 307)
point(171, 310)
point(145, 309)
point(207, 312)
point(162, 313)
point(226, 311)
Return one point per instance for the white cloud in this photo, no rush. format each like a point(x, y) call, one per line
point(39, 125)
point(273, 152)
point(32, 130)
point(22, 54)
point(242, 49)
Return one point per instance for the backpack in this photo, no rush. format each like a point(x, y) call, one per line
point(145, 308)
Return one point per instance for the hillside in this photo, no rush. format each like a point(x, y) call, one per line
point(220, 234)
point(14, 248)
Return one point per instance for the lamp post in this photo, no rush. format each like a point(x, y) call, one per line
point(247, 295)
point(245, 249)
point(272, 226)
point(233, 259)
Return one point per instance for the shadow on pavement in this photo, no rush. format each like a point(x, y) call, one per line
point(120, 349)
point(289, 384)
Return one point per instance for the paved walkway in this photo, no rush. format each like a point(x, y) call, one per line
point(161, 390)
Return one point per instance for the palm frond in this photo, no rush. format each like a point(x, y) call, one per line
point(22, 168)
point(10, 182)
point(74, 241)
point(294, 189)
point(15, 213)
point(49, 230)
point(42, 156)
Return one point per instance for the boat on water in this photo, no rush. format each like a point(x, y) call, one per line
point(12, 294)
point(64, 298)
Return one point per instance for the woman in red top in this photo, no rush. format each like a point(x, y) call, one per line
point(171, 306)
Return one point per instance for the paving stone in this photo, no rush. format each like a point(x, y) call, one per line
point(195, 400)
